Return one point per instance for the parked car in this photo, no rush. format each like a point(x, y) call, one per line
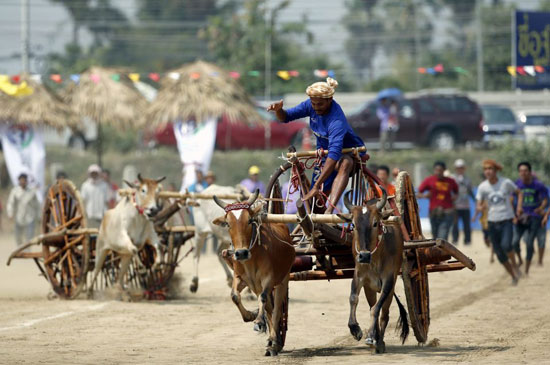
point(440, 121)
point(240, 135)
point(536, 124)
point(500, 123)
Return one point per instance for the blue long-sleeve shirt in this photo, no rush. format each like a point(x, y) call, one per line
point(332, 130)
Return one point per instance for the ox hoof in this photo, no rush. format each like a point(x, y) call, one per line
point(260, 325)
point(194, 285)
point(271, 352)
point(370, 341)
point(380, 347)
point(356, 331)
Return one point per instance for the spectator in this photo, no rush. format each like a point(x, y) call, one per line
point(253, 181)
point(383, 173)
point(441, 191)
point(199, 185)
point(112, 189)
point(210, 178)
point(497, 191)
point(387, 113)
point(394, 172)
point(535, 199)
point(462, 202)
point(94, 192)
point(541, 237)
point(24, 207)
point(61, 175)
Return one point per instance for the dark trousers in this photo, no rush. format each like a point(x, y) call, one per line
point(530, 229)
point(464, 215)
point(441, 224)
point(500, 234)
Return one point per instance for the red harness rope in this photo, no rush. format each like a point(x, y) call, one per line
point(236, 206)
point(140, 209)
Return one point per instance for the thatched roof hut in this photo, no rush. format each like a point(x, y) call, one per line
point(107, 95)
point(42, 107)
point(201, 91)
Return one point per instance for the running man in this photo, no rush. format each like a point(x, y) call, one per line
point(330, 126)
point(497, 191)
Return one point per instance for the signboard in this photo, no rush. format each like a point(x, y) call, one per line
point(532, 48)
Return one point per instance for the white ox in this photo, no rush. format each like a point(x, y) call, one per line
point(128, 226)
point(203, 217)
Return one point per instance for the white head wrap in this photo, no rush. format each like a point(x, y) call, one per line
point(322, 89)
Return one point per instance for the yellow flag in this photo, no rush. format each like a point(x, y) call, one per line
point(511, 70)
point(134, 77)
point(283, 75)
point(14, 90)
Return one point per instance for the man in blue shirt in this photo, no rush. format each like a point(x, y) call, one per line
point(330, 126)
point(535, 199)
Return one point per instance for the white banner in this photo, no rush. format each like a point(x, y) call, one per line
point(24, 152)
point(196, 143)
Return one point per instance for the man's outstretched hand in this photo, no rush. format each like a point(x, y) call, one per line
point(275, 107)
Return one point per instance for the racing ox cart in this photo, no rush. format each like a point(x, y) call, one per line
point(323, 242)
point(67, 247)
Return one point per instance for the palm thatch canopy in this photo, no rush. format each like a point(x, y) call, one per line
point(42, 107)
point(107, 95)
point(202, 91)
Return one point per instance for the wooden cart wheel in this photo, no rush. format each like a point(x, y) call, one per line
point(414, 274)
point(274, 190)
point(407, 205)
point(67, 260)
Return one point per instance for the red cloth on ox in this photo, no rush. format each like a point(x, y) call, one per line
point(440, 191)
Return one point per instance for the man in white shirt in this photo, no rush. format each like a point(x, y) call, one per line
point(24, 207)
point(95, 194)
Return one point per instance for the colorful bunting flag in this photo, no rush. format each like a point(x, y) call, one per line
point(75, 78)
point(95, 78)
point(530, 70)
point(134, 77)
point(253, 73)
point(431, 71)
point(174, 75)
point(422, 70)
point(283, 75)
point(234, 74)
point(320, 73)
point(154, 76)
point(115, 77)
point(521, 70)
point(438, 68)
point(331, 73)
point(195, 75)
point(294, 73)
point(460, 70)
point(36, 78)
point(16, 78)
point(21, 89)
point(511, 70)
point(539, 69)
point(214, 73)
point(56, 78)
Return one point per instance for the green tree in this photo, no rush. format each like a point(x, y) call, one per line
point(237, 40)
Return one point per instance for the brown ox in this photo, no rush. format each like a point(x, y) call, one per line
point(261, 260)
point(378, 251)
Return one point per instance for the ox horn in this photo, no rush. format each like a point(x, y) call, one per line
point(253, 197)
point(220, 202)
point(347, 202)
point(382, 202)
point(140, 178)
point(160, 179)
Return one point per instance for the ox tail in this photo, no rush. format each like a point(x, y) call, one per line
point(402, 322)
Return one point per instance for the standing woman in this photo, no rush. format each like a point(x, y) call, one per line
point(496, 191)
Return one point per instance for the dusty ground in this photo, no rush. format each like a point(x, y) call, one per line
point(478, 317)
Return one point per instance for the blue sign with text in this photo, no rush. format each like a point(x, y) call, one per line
point(532, 32)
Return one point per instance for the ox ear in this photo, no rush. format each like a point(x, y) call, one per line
point(345, 217)
point(220, 221)
point(140, 178)
point(160, 179)
point(130, 184)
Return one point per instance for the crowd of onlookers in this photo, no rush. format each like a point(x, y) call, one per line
point(509, 211)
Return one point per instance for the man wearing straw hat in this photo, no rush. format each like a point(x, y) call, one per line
point(330, 126)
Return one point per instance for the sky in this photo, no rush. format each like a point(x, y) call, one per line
point(51, 28)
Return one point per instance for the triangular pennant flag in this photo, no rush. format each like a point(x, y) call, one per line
point(511, 70)
point(294, 73)
point(253, 73)
point(460, 70)
point(422, 70)
point(320, 73)
point(195, 75)
point(283, 75)
point(174, 75)
point(14, 90)
point(214, 74)
point(539, 69)
point(134, 77)
point(438, 68)
point(154, 76)
point(521, 70)
point(115, 77)
point(75, 78)
point(36, 78)
point(16, 78)
point(431, 71)
point(234, 74)
point(530, 70)
point(331, 73)
point(56, 78)
point(95, 78)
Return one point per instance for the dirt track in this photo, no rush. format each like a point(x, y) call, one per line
point(476, 316)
